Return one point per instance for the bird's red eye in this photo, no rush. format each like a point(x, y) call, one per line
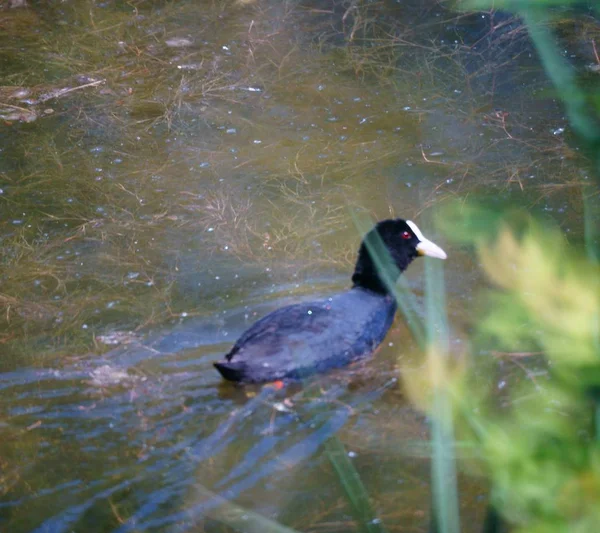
point(406, 235)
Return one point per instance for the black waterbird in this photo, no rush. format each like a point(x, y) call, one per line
point(306, 338)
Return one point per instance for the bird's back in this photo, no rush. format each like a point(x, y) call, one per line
point(305, 338)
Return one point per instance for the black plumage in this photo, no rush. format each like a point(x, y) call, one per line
point(302, 339)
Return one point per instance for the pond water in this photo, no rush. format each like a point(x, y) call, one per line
point(170, 172)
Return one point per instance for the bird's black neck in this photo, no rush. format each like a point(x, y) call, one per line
point(367, 274)
point(373, 284)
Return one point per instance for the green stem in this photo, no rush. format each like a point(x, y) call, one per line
point(356, 492)
point(561, 73)
point(444, 482)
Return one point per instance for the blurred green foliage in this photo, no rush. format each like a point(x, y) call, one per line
point(538, 441)
point(540, 452)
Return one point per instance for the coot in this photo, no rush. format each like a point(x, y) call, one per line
point(302, 339)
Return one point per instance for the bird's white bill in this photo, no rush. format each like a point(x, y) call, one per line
point(425, 246)
point(432, 250)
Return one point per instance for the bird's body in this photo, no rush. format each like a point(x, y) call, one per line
point(306, 338)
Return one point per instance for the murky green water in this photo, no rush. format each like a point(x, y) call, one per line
point(199, 168)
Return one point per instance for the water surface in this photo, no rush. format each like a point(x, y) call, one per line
point(201, 167)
